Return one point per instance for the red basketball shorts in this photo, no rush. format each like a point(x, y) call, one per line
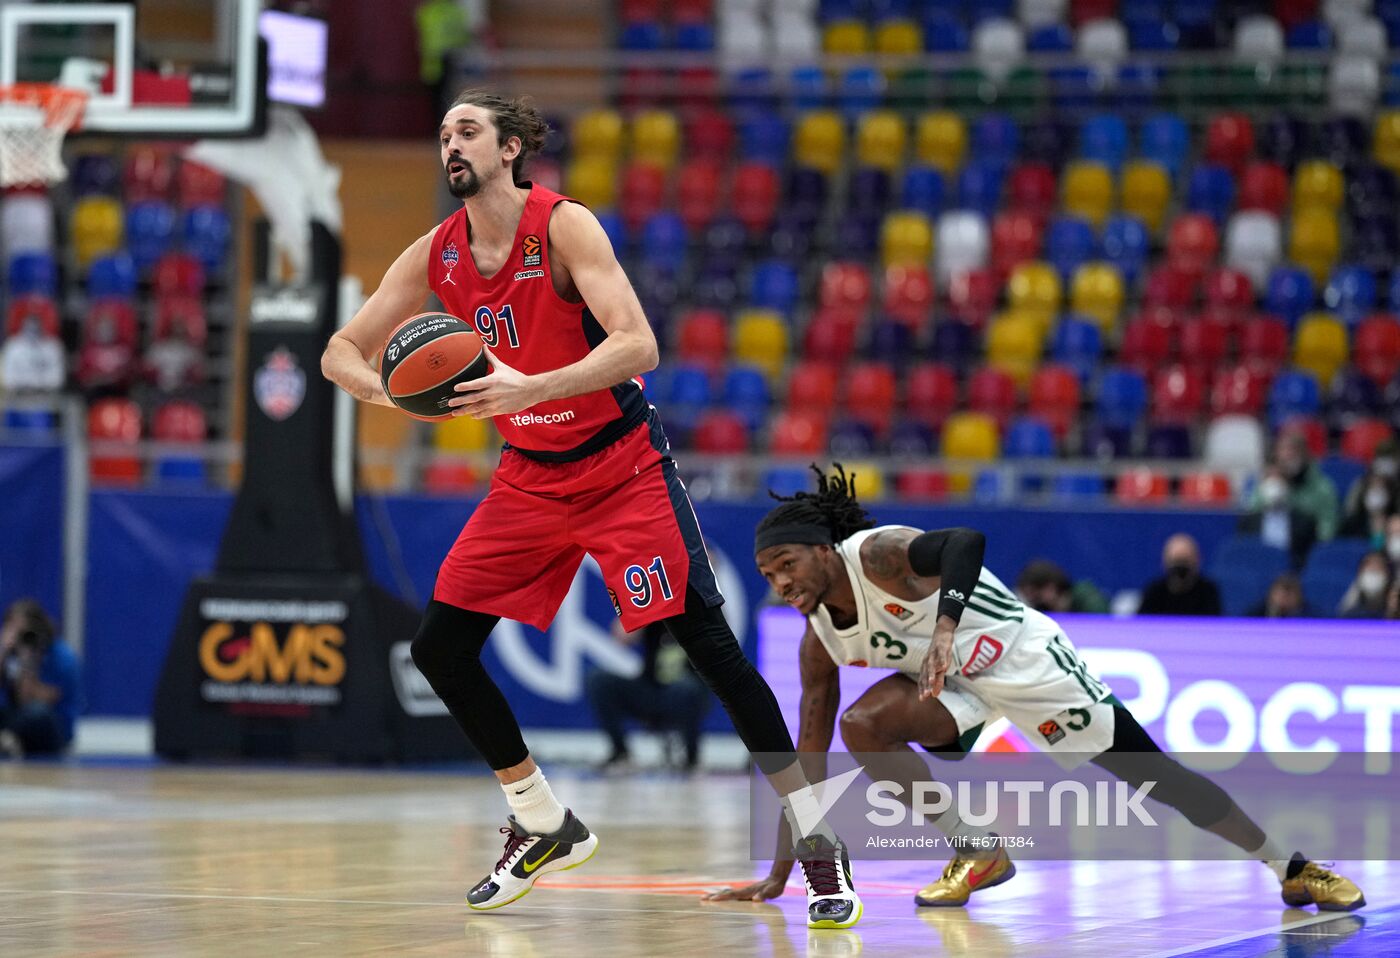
point(624, 505)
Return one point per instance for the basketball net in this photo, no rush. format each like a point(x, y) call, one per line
point(34, 118)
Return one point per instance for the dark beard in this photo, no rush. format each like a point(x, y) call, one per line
point(467, 188)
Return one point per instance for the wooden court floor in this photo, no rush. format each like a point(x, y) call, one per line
point(152, 860)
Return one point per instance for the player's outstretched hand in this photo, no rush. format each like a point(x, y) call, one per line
point(758, 891)
point(502, 391)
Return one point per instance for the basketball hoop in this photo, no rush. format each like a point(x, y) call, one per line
point(34, 118)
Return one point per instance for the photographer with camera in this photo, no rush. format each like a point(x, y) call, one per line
point(38, 683)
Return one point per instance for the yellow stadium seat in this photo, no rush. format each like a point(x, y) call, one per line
point(656, 138)
point(761, 338)
point(899, 37)
point(820, 141)
point(1088, 191)
point(1386, 140)
point(906, 239)
point(1317, 183)
point(880, 140)
point(1147, 191)
point(464, 434)
point(1313, 242)
point(940, 141)
point(846, 38)
point(96, 228)
point(1320, 346)
point(1097, 292)
point(870, 481)
point(592, 180)
point(597, 133)
point(969, 435)
point(1014, 343)
point(1034, 288)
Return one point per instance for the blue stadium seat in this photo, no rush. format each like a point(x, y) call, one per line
point(32, 274)
point(764, 138)
point(787, 480)
point(1211, 190)
point(1329, 572)
point(954, 343)
point(1050, 38)
point(150, 232)
point(1289, 294)
point(1165, 139)
point(207, 233)
point(806, 189)
point(774, 285)
point(991, 486)
point(717, 286)
point(857, 235)
point(808, 87)
point(664, 240)
point(1122, 397)
point(868, 192)
point(923, 190)
point(851, 438)
point(113, 275)
point(1047, 139)
point(862, 90)
point(1309, 35)
point(995, 140)
point(746, 393)
point(1077, 487)
point(1138, 89)
point(979, 187)
point(1351, 293)
point(1168, 442)
point(1028, 438)
point(725, 238)
point(1098, 440)
point(1244, 568)
point(911, 438)
point(95, 174)
point(1126, 244)
point(752, 89)
point(696, 37)
point(1281, 139)
point(617, 232)
point(1293, 394)
point(791, 237)
point(1351, 395)
point(944, 31)
point(1153, 35)
point(181, 469)
point(1104, 139)
point(689, 393)
point(891, 342)
point(1073, 89)
point(643, 35)
point(1078, 344)
point(31, 421)
point(1069, 244)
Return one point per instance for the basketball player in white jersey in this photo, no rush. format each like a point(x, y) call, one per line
point(964, 650)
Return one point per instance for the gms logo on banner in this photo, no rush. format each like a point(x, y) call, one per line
point(272, 653)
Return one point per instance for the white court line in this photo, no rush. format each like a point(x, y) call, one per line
point(1242, 936)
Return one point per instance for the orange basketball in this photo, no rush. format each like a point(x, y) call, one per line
point(424, 358)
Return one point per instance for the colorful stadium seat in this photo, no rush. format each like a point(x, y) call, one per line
point(1211, 190)
point(1146, 346)
point(1034, 288)
point(930, 393)
point(1178, 395)
point(1377, 348)
point(598, 134)
point(1254, 245)
point(1014, 344)
point(971, 435)
point(1031, 188)
point(1069, 243)
point(702, 337)
point(117, 421)
point(1088, 191)
point(746, 393)
point(908, 295)
point(1164, 139)
point(1229, 290)
point(1126, 245)
point(869, 395)
point(1097, 292)
point(96, 227)
point(812, 384)
point(798, 433)
point(32, 274)
point(1264, 340)
point(1318, 183)
point(1053, 396)
point(1122, 397)
point(642, 194)
point(972, 295)
point(1294, 393)
point(1320, 346)
point(819, 141)
point(591, 179)
point(831, 336)
point(880, 140)
point(906, 239)
point(940, 141)
point(962, 244)
point(1192, 244)
point(755, 195)
point(992, 391)
point(1264, 186)
point(1314, 241)
point(1229, 141)
point(761, 338)
point(1015, 240)
point(1350, 293)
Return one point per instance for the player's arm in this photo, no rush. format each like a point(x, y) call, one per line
point(579, 244)
point(954, 557)
point(821, 697)
point(346, 361)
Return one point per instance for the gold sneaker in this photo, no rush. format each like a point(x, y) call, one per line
point(1315, 885)
point(962, 877)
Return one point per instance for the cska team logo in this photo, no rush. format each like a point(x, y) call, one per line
point(450, 258)
point(279, 385)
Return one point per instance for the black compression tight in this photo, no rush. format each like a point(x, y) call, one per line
point(1135, 758)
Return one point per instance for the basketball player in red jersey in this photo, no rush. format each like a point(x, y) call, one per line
point(586, 469)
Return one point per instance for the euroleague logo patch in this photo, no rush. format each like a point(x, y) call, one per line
point(898, 611)
point(1051, 730)
point(530, 246)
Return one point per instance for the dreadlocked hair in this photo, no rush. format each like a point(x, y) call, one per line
point(833, 506)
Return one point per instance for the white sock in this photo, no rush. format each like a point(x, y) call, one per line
point(534, 805)
point(1273, 857)
point(804, 801)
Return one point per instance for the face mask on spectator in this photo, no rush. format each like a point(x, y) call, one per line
point(1377, 499)
point(1371, 582)
point(1272, 492)
point(1392, 548)
point(1386, 466)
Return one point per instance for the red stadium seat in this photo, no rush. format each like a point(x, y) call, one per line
point(973, 295)
point(1178, 395)
point(1264, 339)
point(642, 194)
point(1361, 438)
point(703, 338)
point(115, 421)
point(179, 421)
point(200, 186)
point(1146, 346)
point(1240, 390)
point(449, 477)
point(107, 351)
point(721, 433)
point(1206, 488)
point(1031, 188)
point(930, 393)
point(184, 314)
point(178, 274)
point(831, 336)
point(639, 11)
point(22, 308)
point(1015, 240)
point(1141, 486)
point(1264, 187)
point(909, 295)
point(1313, 431)
point(709, 135)
point(798, 433)
point(1054, 397)
point(992, 391)
point(643, 88)
point(149, 173)
point(1376, 347)
point(845, 286)
point(699, 193)
point(1292, 13)
point(921, 484)
point(1204, 342)
point(812, 385)
point(869, 395)
point(755, 194)
point(1170, 286)
point(1228, 289)
point(1192, 244)
point(1229, 141)
point(1084, 11)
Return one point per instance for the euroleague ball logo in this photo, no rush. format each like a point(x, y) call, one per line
point(392, 353)
point(530, 246)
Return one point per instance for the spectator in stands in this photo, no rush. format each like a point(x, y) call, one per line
point(1182, 590)
point(1392, 600)
point(32, 361)
point(1309, 489)
point(1276, 522)
point(667, 697)
point(173, 361)
point(1045, 586)
point(1284, 601)
point(1371, 500)
point(1366, 598)
point(1392, 542)
point(38, 683)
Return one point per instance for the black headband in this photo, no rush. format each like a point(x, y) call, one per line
point(796, 533)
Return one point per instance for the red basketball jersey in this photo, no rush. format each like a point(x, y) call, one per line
point(525, 322)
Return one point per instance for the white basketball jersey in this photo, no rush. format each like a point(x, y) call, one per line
point(894, 633)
